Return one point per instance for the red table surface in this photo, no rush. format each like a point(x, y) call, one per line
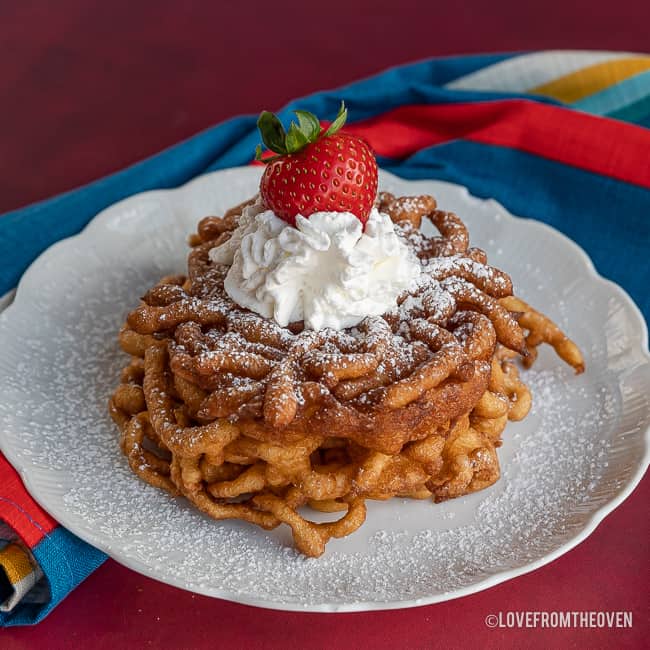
point(87, 87)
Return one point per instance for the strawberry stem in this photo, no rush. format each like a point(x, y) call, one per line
point(307, 130)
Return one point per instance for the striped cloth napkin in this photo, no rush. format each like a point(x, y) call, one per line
point(563, 137)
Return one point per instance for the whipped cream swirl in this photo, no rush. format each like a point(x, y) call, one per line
point(326, 271)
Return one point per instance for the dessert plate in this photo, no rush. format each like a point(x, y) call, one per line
point(580, 452)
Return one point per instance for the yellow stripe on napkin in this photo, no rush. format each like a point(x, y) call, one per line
point(16, 563)
point(582, 83)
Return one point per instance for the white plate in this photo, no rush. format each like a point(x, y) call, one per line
point(573, 460)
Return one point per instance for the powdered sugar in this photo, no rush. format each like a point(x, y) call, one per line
point(553, 462)
point(576, 451)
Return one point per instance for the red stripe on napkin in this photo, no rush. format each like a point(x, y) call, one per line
point(593, 143)
point(19, 510)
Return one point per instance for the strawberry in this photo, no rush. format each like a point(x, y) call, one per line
point(316, 169)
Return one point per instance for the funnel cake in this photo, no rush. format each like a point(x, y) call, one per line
point(251, 420)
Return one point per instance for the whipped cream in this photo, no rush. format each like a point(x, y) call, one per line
point(326, 271)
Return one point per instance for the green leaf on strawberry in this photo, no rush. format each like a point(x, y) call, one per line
point(339, 120)
point(308, 124)
point(295, 139)
point(273, 134)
